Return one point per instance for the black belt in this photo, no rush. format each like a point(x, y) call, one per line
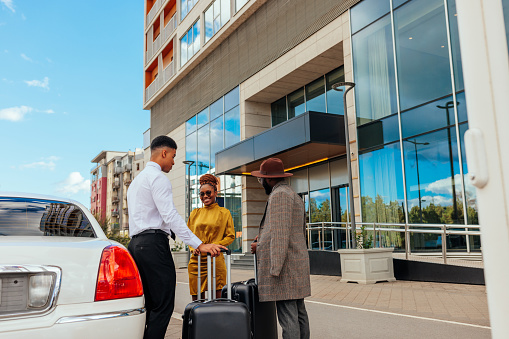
point(152, 231)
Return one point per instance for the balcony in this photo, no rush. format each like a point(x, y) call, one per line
point(114, 200)
point(158, 82)
point(125, 210)
point(170, 28)
point(116, 184)
point(127, 182)
point(153, 47)
point(125, 226)
point(114, 213)
point(118, 170)
point(152, 13)
point(128, 167)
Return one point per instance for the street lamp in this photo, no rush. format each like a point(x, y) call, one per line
point(417, 167)
point(449, 105)
point(335, 87)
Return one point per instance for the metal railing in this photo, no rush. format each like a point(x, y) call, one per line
point(151, 14)
point(330, 234)
point(170, 27)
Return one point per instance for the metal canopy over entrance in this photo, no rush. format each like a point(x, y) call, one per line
point(307, 138)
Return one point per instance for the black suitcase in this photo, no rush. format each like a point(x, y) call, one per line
point(216, 318)
point(263, 314)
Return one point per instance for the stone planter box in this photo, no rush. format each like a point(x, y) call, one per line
point(181, 259)
point(367, 266)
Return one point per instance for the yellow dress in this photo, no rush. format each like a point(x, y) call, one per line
point(213, 225)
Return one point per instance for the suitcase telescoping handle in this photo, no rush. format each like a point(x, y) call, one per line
point(255, 269)
point(211, 292)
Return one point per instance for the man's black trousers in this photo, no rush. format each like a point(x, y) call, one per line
point(152, 255)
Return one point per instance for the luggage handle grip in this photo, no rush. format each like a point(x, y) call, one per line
point(228, 275)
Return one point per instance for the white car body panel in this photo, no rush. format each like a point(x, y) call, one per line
point(76, 314)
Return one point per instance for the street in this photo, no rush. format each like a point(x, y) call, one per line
point(410, 310)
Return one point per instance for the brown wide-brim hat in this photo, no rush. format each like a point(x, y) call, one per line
point(271, 168)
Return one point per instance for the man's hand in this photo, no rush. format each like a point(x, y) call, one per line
point(253, 245)
point(213, 249)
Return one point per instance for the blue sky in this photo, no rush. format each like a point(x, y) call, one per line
point(71, 85)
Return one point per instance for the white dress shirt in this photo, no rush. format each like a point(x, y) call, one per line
point(150, 206)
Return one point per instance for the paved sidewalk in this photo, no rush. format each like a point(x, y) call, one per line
point(451, 302)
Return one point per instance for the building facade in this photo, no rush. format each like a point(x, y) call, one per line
point(235, 82)
point(110, 179)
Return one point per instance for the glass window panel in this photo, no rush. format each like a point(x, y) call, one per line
point(319, 206)
point(368, 11)
point(216, 109)
point(378, 132)
point(335, 98)
point(217, 24)
point(296, 104)
point(462, 107)
point(381, 181)
point(191, 149)
point(319, 177)
point(239, 4)
point(217, 9)
point(315, 95)
point(338, 172)
point(434, 115)
point(455, 42)
point(216, 139)
point(278, 111)
point(203, 150)
point(183, 7)
point(422, 53)
point(209, 29)
point(231, 99)
point(470, 191)
point(183, 50)
point(225, 11)
point(191, 125)
point(203, 117)
point(373, 60)
point(433, 178)
point(397, 3)
point(232, 127)
point(299, 181)
point(196, 37)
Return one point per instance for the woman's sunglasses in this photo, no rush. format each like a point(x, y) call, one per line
point(208, 193)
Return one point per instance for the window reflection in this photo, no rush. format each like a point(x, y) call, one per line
point(191, 125)
point(433, 178)
point(296, 104)
point(203, 150)
point(216, 139)
point(505, 6)
point(377, 133)
point(232, 127)
point(203, 117)
point(278, 109)
point(422, 52)
point(382, 196)
point(231, 99)
point(375, 90)
point(429, 117)
point(216, 109)
point(319, 206)
point(191, 150)
point(315, 96)
point(334, 98)
point(368, 11)
point(455, 44)
point(470, 192)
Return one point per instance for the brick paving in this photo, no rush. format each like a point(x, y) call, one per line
point(453, 302)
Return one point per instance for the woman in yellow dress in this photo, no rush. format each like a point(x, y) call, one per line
point(213, 225)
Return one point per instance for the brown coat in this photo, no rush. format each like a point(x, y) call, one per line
point(282, 255)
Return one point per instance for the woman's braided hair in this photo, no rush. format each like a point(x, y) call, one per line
point(209, 179)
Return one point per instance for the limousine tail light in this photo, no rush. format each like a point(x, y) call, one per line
point(118, 275)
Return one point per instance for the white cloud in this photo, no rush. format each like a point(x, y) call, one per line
point(14, 113)
point(46, 163)
point(23, 55)
point(9, 5)
point(74, 184)
point(36, 83)
point(48, 111)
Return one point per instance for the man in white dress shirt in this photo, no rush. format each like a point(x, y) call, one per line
point(152, 217)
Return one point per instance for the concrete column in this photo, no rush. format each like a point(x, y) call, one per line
point(253, 206)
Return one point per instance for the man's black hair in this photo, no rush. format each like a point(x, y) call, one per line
point(163, 141)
